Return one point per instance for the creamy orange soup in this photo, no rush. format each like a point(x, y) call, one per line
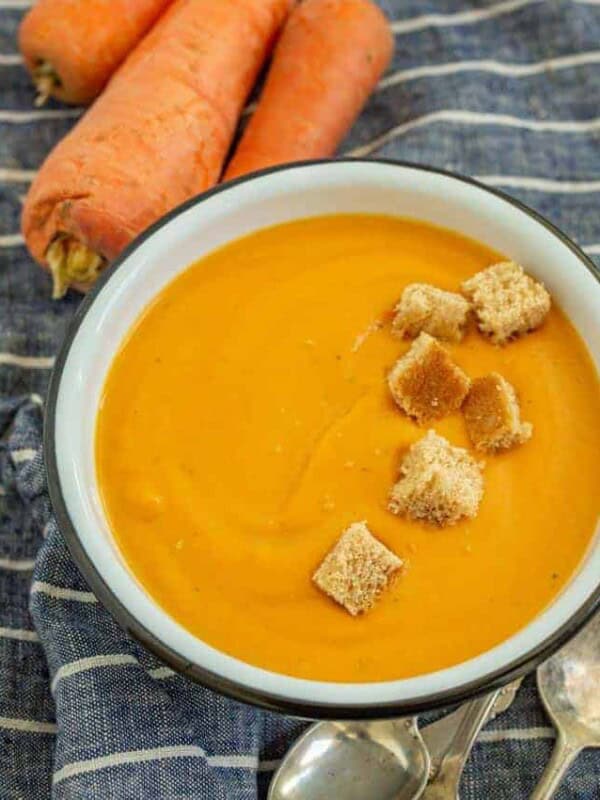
point(246, 423)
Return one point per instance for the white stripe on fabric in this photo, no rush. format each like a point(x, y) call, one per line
point(234, 762)
point(25, 454)
point(8, 174)
point(30, 362)
point(11, 240)
point(110, 660)
point(476, 118)
point(23, 117)
point(160, 754)
point(243, 762)
point(27, 725)
point(517, 734)
point(591, 249)
point(540, 184)
point(161, 672)
point(489, 65)
point(93, 662)
point(17, 564)
point(10, 59)
point(127, 757)
point(62, 593)
point(20, 634)
point(459, 18)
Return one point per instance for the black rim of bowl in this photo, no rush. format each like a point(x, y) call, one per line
point(239, 691)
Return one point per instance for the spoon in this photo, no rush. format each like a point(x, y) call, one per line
point(440, 735)
point(383, 760)
point(445, 783)
point(569, 685)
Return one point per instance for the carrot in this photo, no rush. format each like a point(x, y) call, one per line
point(328, 60)
point(72, 47)
point(157, 135)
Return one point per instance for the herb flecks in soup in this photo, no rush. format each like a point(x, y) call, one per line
point(247, 422)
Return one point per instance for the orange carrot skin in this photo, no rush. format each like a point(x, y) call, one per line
point(328, 60)
point(161, 130)
point(85, 40)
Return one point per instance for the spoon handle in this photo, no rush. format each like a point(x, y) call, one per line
point(445, 784)
point(563, 755)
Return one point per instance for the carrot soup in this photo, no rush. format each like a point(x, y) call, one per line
point(246, 422)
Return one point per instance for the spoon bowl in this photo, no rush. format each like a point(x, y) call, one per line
point(569, 685)
point(379, 760)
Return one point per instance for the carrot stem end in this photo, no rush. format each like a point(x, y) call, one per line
point(72, 262)
point(45, 79)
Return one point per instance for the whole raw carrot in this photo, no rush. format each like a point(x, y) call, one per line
point(72, 47)
point(156, 136)
point(328, 60)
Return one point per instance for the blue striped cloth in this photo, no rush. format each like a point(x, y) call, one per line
point(507, 91)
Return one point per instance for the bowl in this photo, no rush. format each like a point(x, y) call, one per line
point(154, 259)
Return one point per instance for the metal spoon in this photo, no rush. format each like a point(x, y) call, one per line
point(441, 736)
point(444, 785)
point(385, 760)
point(569, 684)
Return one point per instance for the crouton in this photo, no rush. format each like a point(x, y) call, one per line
point(440, 484)
point(426, 383)
point(507, 302)
point(426, 308)
point(357, 569)
point(493, 415)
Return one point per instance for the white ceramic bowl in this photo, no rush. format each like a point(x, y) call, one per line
point(153, 260)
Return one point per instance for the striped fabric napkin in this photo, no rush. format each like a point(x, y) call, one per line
point(507, 91)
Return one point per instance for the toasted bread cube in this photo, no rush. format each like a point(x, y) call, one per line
point(425, 308)
point(426, 383)
point(357, 569)
point(440, 484)
point(507, 302)
point(493, 415)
